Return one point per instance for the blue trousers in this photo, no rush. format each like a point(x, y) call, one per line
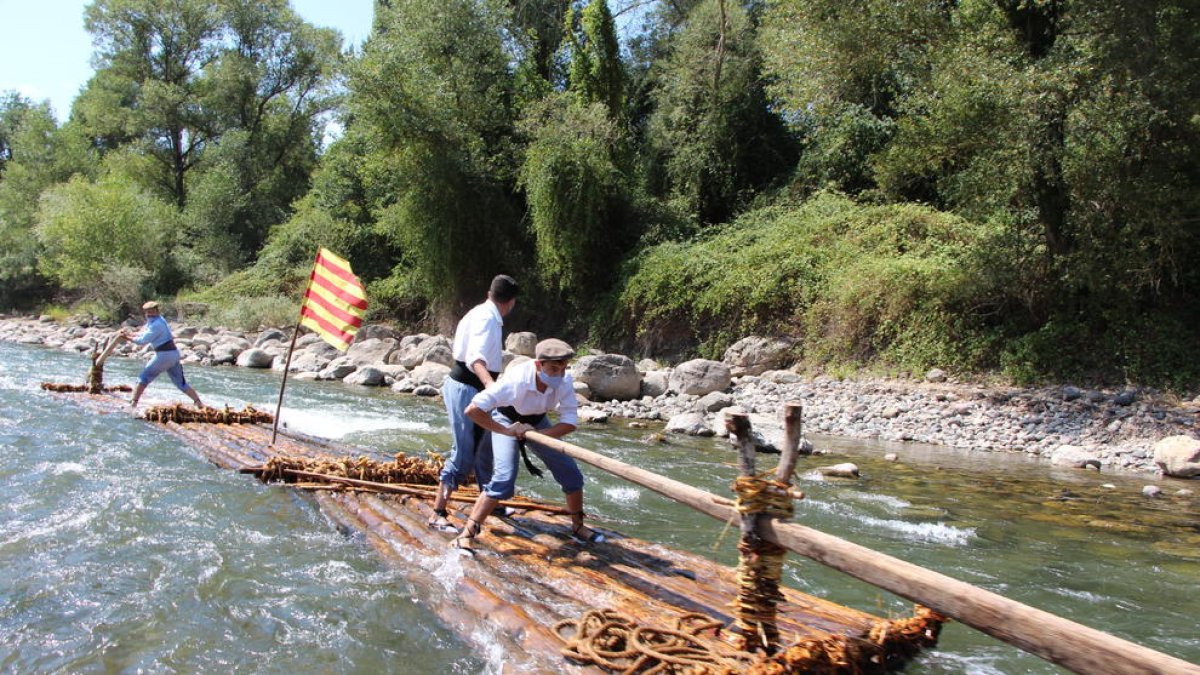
point(465, 452)
point(506, 455)
point(164, 362)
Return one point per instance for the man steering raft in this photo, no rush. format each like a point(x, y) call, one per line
point(166, 356)
point(515, 404)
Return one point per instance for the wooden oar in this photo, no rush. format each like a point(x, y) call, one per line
point(1058, 640)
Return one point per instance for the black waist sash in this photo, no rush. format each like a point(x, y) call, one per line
point(167, 346)
point(461, 373)
point(533, 420)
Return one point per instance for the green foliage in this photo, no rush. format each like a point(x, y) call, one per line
point(253, 313)
point(854, 282)
point(111, 227)
point(711, 133)
point(596, 74)
point(433, 92)
point(578, 206)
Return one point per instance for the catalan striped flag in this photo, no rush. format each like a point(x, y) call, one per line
point(335, 301)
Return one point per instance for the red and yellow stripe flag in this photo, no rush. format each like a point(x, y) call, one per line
point(335, 301)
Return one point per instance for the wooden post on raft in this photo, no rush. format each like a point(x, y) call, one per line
point(96, 372)
point(760, 562)
point(1069, 644)
point(758, 579)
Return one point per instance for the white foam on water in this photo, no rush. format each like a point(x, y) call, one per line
point(326, 424)
point(894, 503)
point(932, 532)
point(1082, 595)
point(333, 572)
point(67, 467)
point(450, 570)
point(622, 494)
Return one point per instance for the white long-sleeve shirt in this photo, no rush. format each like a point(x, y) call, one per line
point(517, 387)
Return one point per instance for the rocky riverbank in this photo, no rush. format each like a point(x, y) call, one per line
point(1066, 425)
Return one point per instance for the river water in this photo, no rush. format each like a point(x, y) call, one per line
point(124, 550)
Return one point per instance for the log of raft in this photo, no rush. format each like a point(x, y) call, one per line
point(530, 578)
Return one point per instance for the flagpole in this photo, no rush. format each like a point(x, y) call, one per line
point(287, 362)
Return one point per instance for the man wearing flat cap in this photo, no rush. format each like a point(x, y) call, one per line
point(519, 402)
point(157, 334)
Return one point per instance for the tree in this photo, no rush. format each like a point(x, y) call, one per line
point(711, 129)
point(578, 196)
point(234, 87)
point(38, 155)
point(433, 90)
point(596, 74)
point(110, 240)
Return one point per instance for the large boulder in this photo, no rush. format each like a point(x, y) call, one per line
point(690, 423)
point(755, 355)
point(1074, 457)
point(699, 377)
point(371, 351)
point(609, 376)
point(266, 336)
point(255, 358)
point(375, 331)
point(367, 376)
point(431, 374)
point(655, 383)
point(1178, 456)
point(228, 349)
point(337, 369)
point(522, 344)
point(412, 352)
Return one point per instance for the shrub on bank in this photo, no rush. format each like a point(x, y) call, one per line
point(855, 282)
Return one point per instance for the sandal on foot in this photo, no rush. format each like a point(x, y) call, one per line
point(441, 522)
point(465, 541)
point(586, 535)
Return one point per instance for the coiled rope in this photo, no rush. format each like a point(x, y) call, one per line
point(617, 643)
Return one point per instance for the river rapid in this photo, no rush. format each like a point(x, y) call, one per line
point(124, 550)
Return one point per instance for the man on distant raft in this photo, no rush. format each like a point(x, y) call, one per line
point(518, 403)
point(478, 360)
point(166, 356)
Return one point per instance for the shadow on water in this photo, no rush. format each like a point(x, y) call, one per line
point(124, 550)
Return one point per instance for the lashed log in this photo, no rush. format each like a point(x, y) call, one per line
point(1053, 638)
point(408, 489)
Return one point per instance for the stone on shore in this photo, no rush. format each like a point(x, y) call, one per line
point(691, 424)
point(699, 377)
point(521, 344)
point(755, 355)
point(1178, 456)
point(1073, 456)
point(370, 351)
point(255, 358)
point(843, 470)
point(655, 383)
point(366, 376)
point(610, 376)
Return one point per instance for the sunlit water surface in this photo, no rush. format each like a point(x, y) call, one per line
point(124, 550)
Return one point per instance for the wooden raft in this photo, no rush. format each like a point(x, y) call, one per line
point(529, 575)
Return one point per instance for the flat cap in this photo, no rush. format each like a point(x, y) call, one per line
point(150, 305)
point(553, 349)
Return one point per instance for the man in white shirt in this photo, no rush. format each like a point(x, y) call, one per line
point(478, 360)
point(517, 403)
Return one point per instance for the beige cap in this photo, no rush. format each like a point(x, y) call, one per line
point(553, 349)
point(150, 305)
